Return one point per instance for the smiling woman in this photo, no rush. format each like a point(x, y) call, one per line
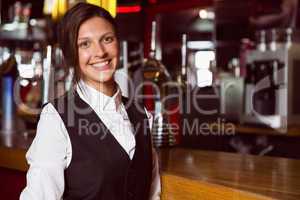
point(92, 143)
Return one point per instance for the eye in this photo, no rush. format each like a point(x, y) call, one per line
point(108, 39)
point(84, 44)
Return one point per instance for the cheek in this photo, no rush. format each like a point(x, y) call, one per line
point(115, 51)
point(113, 48)
point(84, 57)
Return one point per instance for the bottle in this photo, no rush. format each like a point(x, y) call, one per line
point(17, 12)
point(26, 12)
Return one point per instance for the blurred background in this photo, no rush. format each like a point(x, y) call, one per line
point(226, 70)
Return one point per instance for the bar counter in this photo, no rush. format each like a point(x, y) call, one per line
point(196, 175)
point(219, 175)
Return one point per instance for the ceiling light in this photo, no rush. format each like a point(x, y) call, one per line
point(203, 14)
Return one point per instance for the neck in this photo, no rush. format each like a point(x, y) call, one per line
point(107, 88)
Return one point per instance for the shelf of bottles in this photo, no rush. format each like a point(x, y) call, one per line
point(31, 67)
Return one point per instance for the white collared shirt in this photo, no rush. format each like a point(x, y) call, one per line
point(50, 152)
point(112, 113)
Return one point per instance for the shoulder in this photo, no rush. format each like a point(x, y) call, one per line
point(60, 104)
point(66, 97)
point(49, 113)
point(50, 124)
point(52, 110)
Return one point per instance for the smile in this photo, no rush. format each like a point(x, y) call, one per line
point(102, 65)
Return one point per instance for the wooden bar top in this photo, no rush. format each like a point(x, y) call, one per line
point(196, 175)
point(290, 131)
point(13, 149)
point(269, 177)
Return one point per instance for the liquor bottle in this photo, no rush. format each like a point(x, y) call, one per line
point(17, 12)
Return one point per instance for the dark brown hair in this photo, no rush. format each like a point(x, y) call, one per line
point(68, 29)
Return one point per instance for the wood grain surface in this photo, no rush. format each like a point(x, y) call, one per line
point(195, 175)
point(178, 188)
point(277, 178)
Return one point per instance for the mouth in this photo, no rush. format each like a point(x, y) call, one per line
point(102, 66)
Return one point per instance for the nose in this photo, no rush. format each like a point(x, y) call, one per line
point(100, 50)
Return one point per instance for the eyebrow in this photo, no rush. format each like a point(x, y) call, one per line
point(83, 38)
point(105, 34)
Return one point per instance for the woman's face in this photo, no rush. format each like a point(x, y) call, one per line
point(98, 51)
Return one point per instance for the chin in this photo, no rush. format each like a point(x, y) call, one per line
point(104, 79)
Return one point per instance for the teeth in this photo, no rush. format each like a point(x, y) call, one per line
point(102, 64)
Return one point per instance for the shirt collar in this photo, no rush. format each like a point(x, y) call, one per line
point(97, 99)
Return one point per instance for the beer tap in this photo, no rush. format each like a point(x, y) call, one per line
point(154, 69)
point(8, 73)
point(156, 75)
point(184, 60)
point(47, 75)
point(273, 43)
point(262, 41)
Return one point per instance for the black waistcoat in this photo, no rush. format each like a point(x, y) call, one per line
point(100, 168)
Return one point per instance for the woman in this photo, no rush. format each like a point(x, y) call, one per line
point(88, 144)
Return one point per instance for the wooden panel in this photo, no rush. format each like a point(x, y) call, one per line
point(13, 149)
point(194, 174)
point(179, 188)
point(268, 176)
point(13, 159)
point(291, 131)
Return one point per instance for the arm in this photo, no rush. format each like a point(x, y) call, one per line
point(155, 190)
point(47, 156)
